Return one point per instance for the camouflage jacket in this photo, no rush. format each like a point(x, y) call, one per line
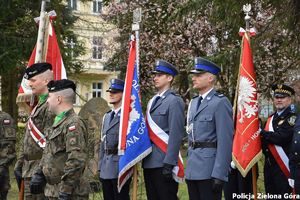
point(32, 152)
point(7, 139)
point(65, 157)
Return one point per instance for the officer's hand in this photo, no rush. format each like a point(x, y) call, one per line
point(2, 171)
point(95, 186)
point(265, 133)
point(18, 175)
point(64, 196)
point(217, 185)
point(37, 182)
point(167, 172)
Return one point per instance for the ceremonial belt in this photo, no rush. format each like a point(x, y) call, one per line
point(160, 139)
point(278, 153)
point(35, 133)
point(197, 144)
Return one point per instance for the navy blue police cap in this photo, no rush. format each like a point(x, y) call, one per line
point(282, 90)
point(164, 67)
point(202, 65)
point(116, 85)
point(36, 68)
point(55, 86)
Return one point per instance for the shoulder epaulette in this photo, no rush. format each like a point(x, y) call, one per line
point(219, 95)
point(108, 111)
point(195, 96)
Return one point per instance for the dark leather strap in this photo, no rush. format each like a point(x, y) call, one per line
point(196, 145)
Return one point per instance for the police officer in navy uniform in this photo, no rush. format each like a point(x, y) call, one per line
point(167, 111)
point(283, 122)
point(210, 135)
point(108, 155)
point(295, 158)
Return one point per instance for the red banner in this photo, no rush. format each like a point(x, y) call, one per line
point(54, 57)
point(246, 144)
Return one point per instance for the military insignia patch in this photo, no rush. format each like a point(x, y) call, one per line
point(6, 121)
point(72, 128)
point(280, 122)
point(73, 141)
point(292, 120)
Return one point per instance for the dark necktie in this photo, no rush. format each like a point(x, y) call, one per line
point(155, 101)
point(199, 102)
point(112, 115)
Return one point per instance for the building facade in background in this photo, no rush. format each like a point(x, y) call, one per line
point(97, 36)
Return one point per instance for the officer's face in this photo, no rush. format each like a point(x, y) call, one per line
point(202, 81)
point(53, 101)
point(281, 103)
point(38, 84)
point(162, 80)
point(115, 97)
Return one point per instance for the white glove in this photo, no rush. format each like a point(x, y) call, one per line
point(232, 165)
point(291, 182)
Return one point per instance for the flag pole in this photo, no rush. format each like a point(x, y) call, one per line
point(247, 9)
point(137, 18)
point(41, 34)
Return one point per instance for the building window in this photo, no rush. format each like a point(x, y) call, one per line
point(97, 47)
point(72, 4)
point(97, 6)
point(97, 89)
point(71, 44)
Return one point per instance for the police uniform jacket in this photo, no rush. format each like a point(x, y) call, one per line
point(294, 162)
point(32, 152)
point(211, 122)
point(65, 157)
point(282, 135)
point(108, 155)
point(168, 114)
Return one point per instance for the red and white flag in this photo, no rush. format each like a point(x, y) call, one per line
point(53, 56)
point(246, 144)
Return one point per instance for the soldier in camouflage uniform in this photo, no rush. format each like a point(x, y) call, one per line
point(65, 156)
point(38, 76)
point(7, 151)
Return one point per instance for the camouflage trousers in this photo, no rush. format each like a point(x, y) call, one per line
point(52, 192)
point(27, 193)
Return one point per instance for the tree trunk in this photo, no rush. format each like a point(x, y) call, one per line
point(9, 91)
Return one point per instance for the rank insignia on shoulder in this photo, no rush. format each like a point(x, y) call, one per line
point(72, 128)
point(292, 120)
point(219, 94)
point(280, 122)
point(6, 121)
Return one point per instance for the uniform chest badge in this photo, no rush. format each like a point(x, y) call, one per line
point(280, 122)
point(73, 141)
point(292, 120)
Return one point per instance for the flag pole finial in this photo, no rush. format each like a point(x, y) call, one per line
point(247, 9)
point(137, 18)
